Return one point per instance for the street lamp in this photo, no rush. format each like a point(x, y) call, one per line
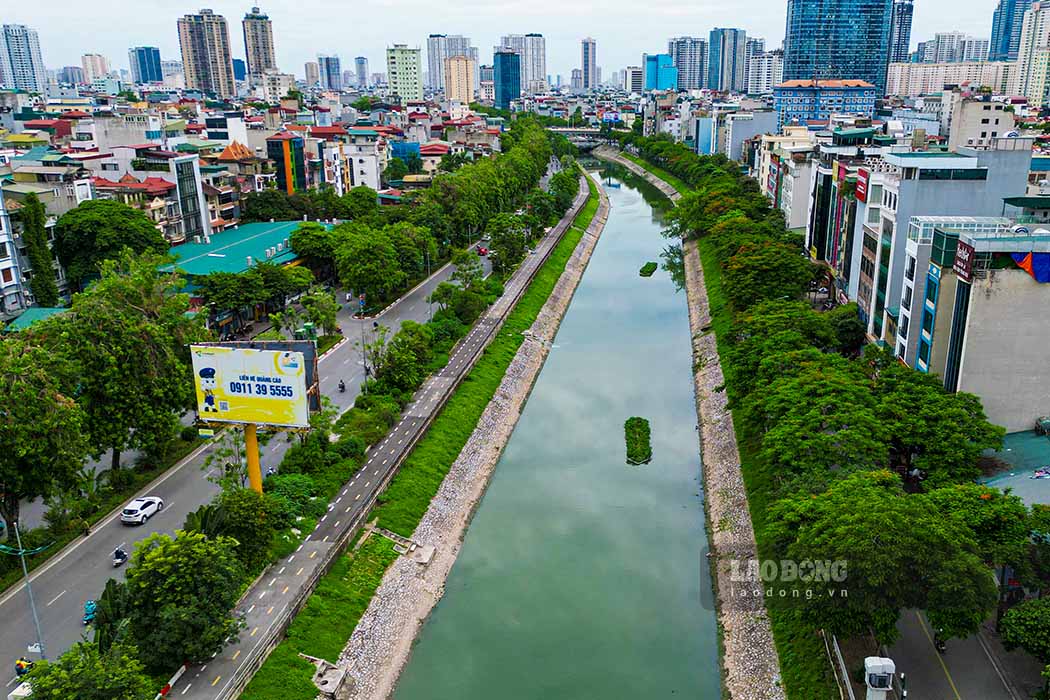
point(21, 553)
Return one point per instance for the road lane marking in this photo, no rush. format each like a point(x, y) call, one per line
point(236, 654)
point(367, 484)
point(336, 526)
point(270, 611)
point(214, 682)
point(358, 498)
point(281, 571)
point(348, 509)
point(254, 631)
point(937, 655)
point(313, 554)
point(300, 570)
point(54, 599)
point(272, 581)
point(291, 559)
point(250, 609)
point(261, 595)
point(300, 547)
point(325, 538)
point(285, 590)
point(186, 689)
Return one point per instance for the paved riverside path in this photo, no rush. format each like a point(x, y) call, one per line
point(286, 585)
point(79, 572)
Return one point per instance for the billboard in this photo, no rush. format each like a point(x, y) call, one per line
point(252, 383)
point(963, 265)
point(862, 185)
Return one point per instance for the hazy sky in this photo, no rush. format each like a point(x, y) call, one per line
point(304, 28)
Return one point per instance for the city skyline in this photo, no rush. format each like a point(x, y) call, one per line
point(297, 39)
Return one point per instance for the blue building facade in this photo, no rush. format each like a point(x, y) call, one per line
point(798, 101)
point(1006, 29)
point(145, 64)
point(506, 77)
point(838, 40)
point(660, 72)
point(240, 70)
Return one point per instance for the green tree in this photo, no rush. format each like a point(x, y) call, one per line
point(900, 553)
point(414, 245)
point(182, 592)
point(233, 291)
point(112, 615)
point(321, 309)
point(395, 170)
point(367, 262)
point(508, 239)
point(443, 295)
point(43, 286)
point(249, 518)
point(768, 271)
point(468, 272)
point(361, 203)
point(209, 520)
point(414, 163)
point(998, 521)
point(85, 673)
point(1027, 626)
point(42, 444)
point(267, 205)
point(99, 229)
point(315, 244)
point(280, 282)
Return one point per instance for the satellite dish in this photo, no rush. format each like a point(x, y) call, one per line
point(1011, 134)
point(1021, 230)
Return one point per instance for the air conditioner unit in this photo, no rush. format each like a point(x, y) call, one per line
point(249, 261)
point(196, 239)
point(280, 247)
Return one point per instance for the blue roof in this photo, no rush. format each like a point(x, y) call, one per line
point(229, 251)
point(32, 315)
point(1040, 163)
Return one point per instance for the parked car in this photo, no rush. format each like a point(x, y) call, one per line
point(141, 509)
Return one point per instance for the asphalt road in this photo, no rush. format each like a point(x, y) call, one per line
point(263, 606)
point(80, 572)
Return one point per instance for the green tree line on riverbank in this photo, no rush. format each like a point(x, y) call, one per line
point(846, 454)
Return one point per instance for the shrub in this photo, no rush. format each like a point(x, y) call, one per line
point(636, 434)
point(188, 433)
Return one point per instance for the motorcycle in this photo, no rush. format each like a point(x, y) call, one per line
point(89, 612)
point(23, 666)
point(119, 558)
point(938, 642)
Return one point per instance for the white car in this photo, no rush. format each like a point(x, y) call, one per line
point(141, 509)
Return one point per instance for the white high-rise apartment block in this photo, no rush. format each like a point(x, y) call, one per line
point(95, 66)
point(459, 79)
point(764, 72)
point(915, 79)
point(952, 47)
point(689, 55)
point(588, 64)
point(754, 46)
point(404, 73)
point(21, 67)
point(634, 79)
point(532, 48)
point(1033, 55)
point(441, 47)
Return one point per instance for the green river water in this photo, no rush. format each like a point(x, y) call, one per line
point(580, 576)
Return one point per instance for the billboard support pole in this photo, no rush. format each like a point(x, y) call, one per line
point(251, 449)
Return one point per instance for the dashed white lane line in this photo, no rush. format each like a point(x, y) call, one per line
point(251, 608)
point(348, 509)
point(54, 599)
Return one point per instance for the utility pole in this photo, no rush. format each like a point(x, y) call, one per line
point(29, 588)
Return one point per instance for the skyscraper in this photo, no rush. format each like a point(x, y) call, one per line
point(825, 39)
point(95, 66)
point(361, 69)
point(753, 46)
point(506, 66)
point(689, 55)
point(71, 75)
point(725, 59)
point(660, 72)
point(532, 48)
point(764, 72)
point(634, 78)
point(1006, 29)
point(331, 72)
point(240, 69)
point(312, 71)
point(206, 61)
point(404, 73)
point(21, 67)
point(441, 47)
point(1033, 55)
point(145, 64)
point(900, 30)
point(258, 42)
point(459, 74)
point(588, 64)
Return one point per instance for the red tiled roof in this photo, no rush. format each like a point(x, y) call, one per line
point(195, 127)
point(149, 185)
point(283, 136)
point(74, 114)
point(41, 123)
point(327, 131)
point(433, 149)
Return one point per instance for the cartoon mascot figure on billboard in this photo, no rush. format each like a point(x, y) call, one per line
point(208, 384)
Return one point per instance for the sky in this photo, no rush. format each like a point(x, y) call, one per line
point(623, 29)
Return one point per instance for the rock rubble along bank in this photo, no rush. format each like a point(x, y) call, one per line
point(750, 662)
point(380, 645)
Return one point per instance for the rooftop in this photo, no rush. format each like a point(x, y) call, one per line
point(32, 315)
point(229, 251)
point(825, 84)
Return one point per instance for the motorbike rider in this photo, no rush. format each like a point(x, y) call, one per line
point(119, 554)
point(23, 666)
point(342, 386)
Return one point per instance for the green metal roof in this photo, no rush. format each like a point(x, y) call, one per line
point(31, 316)
point(1029, 202)
point(229, 251)
point(856, 131)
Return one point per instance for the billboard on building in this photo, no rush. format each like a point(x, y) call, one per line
point(266, 383)
point(963, 265)
point(862, 185)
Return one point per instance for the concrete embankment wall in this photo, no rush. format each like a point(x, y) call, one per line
point(381, 644)
point(750, 662)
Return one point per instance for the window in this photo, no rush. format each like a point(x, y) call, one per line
point(906, 299)
point(909, 272)
point(924, 352)
point(927, 322)
point(7, 275)
point(900, 350)
point(985, 120)
point(3, 251)
point(902, 330)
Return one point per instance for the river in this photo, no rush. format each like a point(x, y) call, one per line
point(581, 576)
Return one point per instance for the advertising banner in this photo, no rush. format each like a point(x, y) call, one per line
point(862, 185)
point(237, 384)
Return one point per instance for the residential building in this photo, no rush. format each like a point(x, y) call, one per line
point(258, 43)
point(764, 72)
point(1033, 55)
point(71, 75)
point(206, 60)
point(900, 30)
point(240, 70)
point(1006, 29)
point(440, 47)
point(331, 72)
point(21, 67)
point(588, 64)
point(154, 196)
point(145, 64)
point(725, 60)
point(741, 127)
point(576, 80)
point(689, 55)
point(459, 79)
point(826, 40)
point(534, 64)
point(312, 72)
point(14, 290)
point(506, 77)
point(361, 70)
point(487, 91)
point(273, 85)
point(634, 79)
point(753, 46)
point(487, 73)
point(974, 119)
point(95, 66)
point(949, 47)
point(782, 166)
point(365, 158)
point(286, 150)
point(660, 72)
point(915, 79)
point(404, 73)
point(801, 101)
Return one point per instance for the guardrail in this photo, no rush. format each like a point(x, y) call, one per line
point(276, 633)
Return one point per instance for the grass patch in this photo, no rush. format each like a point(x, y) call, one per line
point(648, 269)
point(636, 434)
point(403, 503)
point(327, 342)
point(324, 624)
point(803, 660)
